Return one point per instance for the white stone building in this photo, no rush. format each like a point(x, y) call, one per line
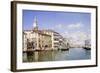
point(45, 39)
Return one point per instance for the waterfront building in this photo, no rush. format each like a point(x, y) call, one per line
point(45, 39)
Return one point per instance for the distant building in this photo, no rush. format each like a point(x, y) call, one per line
point(88, 43)
point(36, 39)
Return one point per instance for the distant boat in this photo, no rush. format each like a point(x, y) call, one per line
point(87, 48)
point(87, 45)
point(66, 47)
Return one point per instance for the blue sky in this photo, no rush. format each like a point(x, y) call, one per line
point(61, 22)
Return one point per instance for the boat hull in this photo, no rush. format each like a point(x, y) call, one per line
point(87, 48)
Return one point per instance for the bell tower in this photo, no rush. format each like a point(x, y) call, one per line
point(35, 24)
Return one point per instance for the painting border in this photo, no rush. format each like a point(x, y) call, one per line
point(14, 35)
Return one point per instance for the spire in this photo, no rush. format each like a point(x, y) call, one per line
point(35, 25)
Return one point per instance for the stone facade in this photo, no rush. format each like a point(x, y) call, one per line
point(45, 39)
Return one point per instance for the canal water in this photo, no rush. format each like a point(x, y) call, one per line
point(58, 55)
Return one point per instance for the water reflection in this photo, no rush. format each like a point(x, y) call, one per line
point(71, 54)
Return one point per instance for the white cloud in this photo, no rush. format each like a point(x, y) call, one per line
point(77, 35)
point(65, 34)
point(59, 26)
point(68, 26)
point(73, 26)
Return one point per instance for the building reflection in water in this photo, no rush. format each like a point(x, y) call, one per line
point(39, 56)
point(57, 55)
